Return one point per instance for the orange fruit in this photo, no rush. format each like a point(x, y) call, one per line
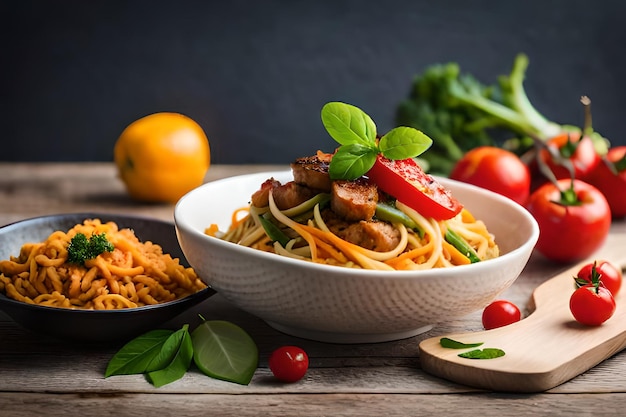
point(162, 156)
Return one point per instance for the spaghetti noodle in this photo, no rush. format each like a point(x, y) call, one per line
point(310, 238)
point(134, 274)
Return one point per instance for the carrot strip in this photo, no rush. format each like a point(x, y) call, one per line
point(467, 217)
point(455, 256)
point(235, 219)
point(211, 230)
point(412, 254)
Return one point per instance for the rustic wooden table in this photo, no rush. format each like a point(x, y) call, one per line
point(39, 375)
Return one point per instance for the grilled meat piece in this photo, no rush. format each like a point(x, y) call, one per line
point(312, 171)
point(261, 197)
point(354, 200)
point(373, 235)
point(291, 194)
point(285, 195)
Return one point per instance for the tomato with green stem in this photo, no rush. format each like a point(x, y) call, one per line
point(409, 184)
point(500, 313)
point(495, 169)
point(592, 304)
point(578, 152)
point(608, 274)
point(573, 217)
point(609, 177)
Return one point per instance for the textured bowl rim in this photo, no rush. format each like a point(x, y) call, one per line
point(183, 224)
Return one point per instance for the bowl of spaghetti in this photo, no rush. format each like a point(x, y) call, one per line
point(307, 274)
point(138, 282)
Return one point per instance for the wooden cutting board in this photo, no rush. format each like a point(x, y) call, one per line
point(544, 349)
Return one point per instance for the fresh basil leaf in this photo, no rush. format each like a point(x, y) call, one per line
point(404, 142)
point(180, 362)
point(454, 344)
point(351, 161)
point(486, 353)
point(348, 124)
point(225, 351)
point(138, 355)
point(168, 349)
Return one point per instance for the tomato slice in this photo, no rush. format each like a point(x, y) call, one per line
point(409, 184)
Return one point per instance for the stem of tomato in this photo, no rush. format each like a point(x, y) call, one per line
point(569, 197)
point(588, 126)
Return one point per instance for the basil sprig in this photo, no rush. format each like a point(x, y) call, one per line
point(220, 349)
point(163, 355)
point(356, 132)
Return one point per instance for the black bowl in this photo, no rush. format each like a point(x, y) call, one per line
point(93, 325)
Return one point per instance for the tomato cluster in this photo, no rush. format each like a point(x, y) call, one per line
point(593, 301)
point(572, 191)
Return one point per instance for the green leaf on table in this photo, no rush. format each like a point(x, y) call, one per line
point(179, 343)
point(142, 354)
point(225, 351)
point(486, 353)
point(454, 344)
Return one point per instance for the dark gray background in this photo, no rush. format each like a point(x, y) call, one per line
point(255, 74)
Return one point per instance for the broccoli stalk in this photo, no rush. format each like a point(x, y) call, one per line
point(459, 113)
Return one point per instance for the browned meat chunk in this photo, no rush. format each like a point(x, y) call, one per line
point(312, 171)
point(261, 197)
point(373, 235)
point(285, 195)
point(292, 194)
point(354, 200)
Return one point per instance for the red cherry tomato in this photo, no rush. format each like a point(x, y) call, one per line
point(570, 229)
point(500, 313)
point(612, 184)
point(495, 169)
point(580, 152)
point(592, 305)
point(409, 184)
point(609, 275)
point(289, 363)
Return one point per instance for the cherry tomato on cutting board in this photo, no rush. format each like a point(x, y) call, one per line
point(409, 184)
point(289, 363)
point(592, 304)
point(612, 183)
point(574, 219)
point(495, 169)
point(500, 313)
point(609, 275)
point(580, 152)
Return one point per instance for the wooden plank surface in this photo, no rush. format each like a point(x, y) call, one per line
point(54, 377)
point(567, 347)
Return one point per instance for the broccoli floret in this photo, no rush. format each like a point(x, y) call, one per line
point(459, 113)
point(80, 249)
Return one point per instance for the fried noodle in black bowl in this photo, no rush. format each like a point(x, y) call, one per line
point(93, 325)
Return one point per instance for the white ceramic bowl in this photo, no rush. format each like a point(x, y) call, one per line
point(343, 305)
